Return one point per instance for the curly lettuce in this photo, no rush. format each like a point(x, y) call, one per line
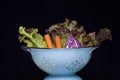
point(65, 29)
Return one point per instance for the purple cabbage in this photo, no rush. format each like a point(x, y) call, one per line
point(72, 43)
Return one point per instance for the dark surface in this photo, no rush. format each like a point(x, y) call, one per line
point(17, 64)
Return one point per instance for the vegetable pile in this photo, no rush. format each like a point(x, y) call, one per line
point(63, 35)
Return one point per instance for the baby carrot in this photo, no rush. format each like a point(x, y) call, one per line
point(58, 42)
point(48, 40)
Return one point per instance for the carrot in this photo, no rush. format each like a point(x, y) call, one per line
point(58, 42)
point(48, 40)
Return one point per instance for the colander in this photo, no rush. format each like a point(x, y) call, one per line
point(61, 63)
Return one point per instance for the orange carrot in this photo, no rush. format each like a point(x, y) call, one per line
point(48, 40)
point(58, 42)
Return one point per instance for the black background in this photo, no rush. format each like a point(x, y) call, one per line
point(17, 64)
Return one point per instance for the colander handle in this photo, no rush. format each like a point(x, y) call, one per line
point(26, 49)
point(94, 48)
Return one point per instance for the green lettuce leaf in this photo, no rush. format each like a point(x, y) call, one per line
point(31, 37)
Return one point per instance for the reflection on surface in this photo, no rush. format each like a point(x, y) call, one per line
point(64, 77)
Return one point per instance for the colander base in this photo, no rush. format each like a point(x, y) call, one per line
point(63, 77)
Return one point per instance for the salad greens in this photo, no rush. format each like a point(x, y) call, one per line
point(71, 28)
point(70, 34)
point(31, 37)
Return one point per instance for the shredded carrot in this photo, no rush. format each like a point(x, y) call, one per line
point(48, 40)
point(58, 42)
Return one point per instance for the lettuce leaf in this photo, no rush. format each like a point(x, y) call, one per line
point(31, 37)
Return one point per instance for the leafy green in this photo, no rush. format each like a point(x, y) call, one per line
point(88, 39)
point(103, 34)
point(68, 28)
point(71, 28)
point(31, 37)
point(65, 29)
